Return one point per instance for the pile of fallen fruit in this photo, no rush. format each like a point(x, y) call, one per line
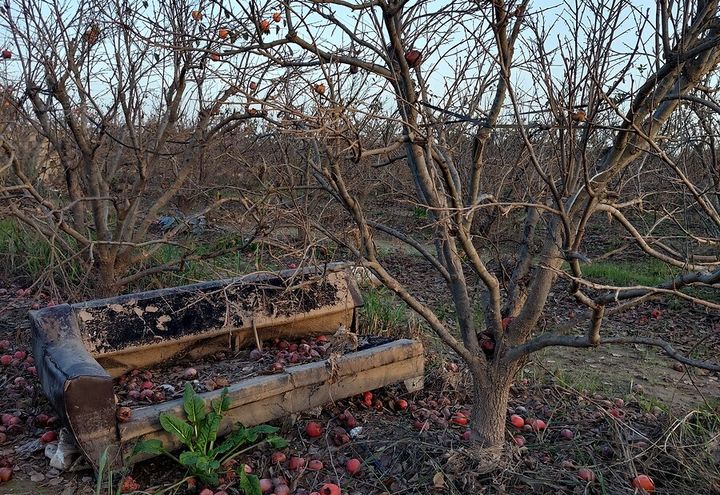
point(140, 387)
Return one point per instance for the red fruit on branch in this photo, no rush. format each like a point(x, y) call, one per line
point(413, 58)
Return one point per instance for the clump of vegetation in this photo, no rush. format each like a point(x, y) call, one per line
point(198, 432)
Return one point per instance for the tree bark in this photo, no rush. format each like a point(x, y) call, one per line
point(106, 282)
point(490, 401)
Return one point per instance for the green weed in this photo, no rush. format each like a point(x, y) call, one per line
point(383, 313)
point(198, 432)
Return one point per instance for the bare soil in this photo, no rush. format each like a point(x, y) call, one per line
point(118, 326)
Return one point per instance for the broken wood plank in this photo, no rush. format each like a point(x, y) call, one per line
point(385, 356)
point(285, 401)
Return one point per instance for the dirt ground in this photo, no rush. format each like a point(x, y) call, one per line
point(630, 410)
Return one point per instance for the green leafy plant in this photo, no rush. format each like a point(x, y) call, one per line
point(198, 433)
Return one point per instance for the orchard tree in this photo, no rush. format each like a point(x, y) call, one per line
point(501, 118)
point(111, 109)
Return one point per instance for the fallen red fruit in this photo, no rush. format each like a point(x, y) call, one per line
point(190, 374)
point(6, 360)
point(313, 430)
point(48, 436)
point(123, 414)
point(466, 436)
point(517, 421)
point(265, 485)
point(459, 420)
point(4, 344)
point(296, 463)
point(315, 465)
point(421, 425)
point(567, 434)
point(617, 413)
point(519, 440)
point(536, 424)
point(20, 355)
point(7, 473)
point(353, 466)
point(644, 482)
point(402, 404)
point(10, 420)
point(282, 490)
point(330, 489)
point(41, 419)
point(586, 475)
point(206, 491)
point(147, 385)
point(130, 485)
point(278, 457)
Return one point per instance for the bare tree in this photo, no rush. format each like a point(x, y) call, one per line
point(115, 105)
point(499, 123)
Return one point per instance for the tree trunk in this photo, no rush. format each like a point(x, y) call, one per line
point(490, 401)
point(106, 280)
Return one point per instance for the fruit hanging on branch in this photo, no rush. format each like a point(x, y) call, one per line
point(277, 17)
point(413, 58)
point(215, 57)
point(196, 15)
point(6, 54)
point(319, 88)
point(223, 33)
point(92, 34)
point(265, 26)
